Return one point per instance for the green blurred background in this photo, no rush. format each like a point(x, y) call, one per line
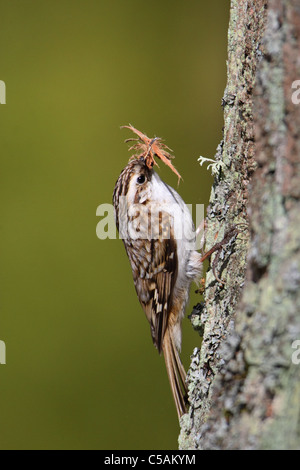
point(81, 370)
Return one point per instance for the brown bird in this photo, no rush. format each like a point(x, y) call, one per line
point(159, 237)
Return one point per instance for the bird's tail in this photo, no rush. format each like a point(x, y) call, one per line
point(176, 373)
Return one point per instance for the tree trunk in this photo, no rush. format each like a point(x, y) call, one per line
point(244, 383)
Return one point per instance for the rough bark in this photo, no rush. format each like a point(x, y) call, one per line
point(244, 388)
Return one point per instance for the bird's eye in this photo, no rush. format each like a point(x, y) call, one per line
point(141, 179)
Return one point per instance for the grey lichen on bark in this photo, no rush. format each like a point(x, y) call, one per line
point(244, 389)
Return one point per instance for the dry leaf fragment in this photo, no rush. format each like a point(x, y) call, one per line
point(150, 148)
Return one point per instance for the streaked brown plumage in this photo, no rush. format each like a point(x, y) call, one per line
point(158, 234)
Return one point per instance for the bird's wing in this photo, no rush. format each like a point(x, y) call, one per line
point(154, 264)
